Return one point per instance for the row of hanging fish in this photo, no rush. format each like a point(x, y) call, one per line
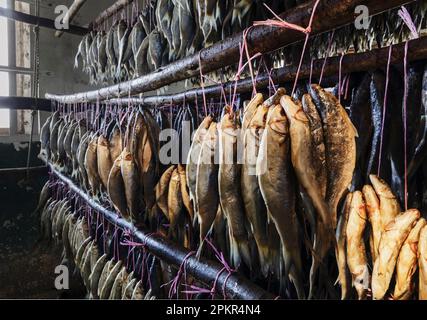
point(302, 153)
point(163, 32)
point(374, 234)
point(116, 162)
point(103, 277)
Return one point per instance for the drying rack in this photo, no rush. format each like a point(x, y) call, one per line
point(330, 14)
point(234, 285)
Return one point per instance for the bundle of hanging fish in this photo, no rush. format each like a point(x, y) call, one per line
point(163, 32)
point(114, 159)
point(103, 277)
point(374, 234)
point(256, 195)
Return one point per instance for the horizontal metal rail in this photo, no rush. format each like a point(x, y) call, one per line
point(42, 22)
point(355, 62)
point(116, 7)
point(25, 103)
point(236, 286)
point(264, 39)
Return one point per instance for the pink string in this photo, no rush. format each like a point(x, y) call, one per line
point(311, 72)
point(407, 19)
point(384, 109)
point(220, 256)
point(282, 23)
point(245, 34)
point(308, 29)
point(175, 281)
point(405, 66)
point(331, 37)
point(339, 78)
point(202, 84)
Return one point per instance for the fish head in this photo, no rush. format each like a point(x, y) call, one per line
point(381, 187)
point(277, 120)
point(293, 109)
point(204, 127)
point(229, 122)
point(259, 119)
point(103, 141)
point(275, 99)
point(212, 136)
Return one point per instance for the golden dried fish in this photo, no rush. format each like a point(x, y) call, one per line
point(276, 181)
point(306, 154)
point(229, 187)
point(91, 165)
point(340, 143)
point(389, 205)
point(132, 185)
point(374, 215)
point(193, 157)
point(392, 239)
point(341, 249)
point(115, 143)
point(174, 205)
point(162, 189)
point(356, 252)
point(250, 110)
point(422, 264)
point(407, 263)
point(104, 160)
point(184, 191)
point(116, 189)
point(207, 182)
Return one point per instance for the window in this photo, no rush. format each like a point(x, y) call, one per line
point(15, 68)
point(4, 76)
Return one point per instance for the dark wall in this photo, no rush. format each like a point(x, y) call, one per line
point(26, 267)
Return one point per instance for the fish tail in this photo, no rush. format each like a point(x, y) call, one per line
point(264, 259)
point(297, 280)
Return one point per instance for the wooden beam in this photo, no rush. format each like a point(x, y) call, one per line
point(42, 22)
point(25, 103)
point(69, 16)
point(264, 39)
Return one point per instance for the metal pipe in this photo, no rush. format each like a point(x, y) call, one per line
point(42, 22)
point(16, 69)
point(116, 7)
point(25, 103)
point(69, 16)
point(264, 39)
point(355, 62)
point(236, 286)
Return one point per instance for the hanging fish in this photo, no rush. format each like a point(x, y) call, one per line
point(340, 144)
point(229, 187)
point(207, 183)
point(276, 181)
point(156, 45)
point(392, 240)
